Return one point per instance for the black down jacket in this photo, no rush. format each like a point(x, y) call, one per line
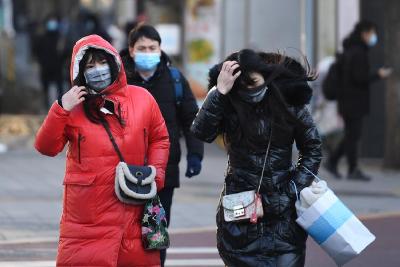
point(354, 97)
point(244, 244)
point(178, 119)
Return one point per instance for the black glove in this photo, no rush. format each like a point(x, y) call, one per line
point(193, 165)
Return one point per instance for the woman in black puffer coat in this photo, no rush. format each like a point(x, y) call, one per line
point(255, 97)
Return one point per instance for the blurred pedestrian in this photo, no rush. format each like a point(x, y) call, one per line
point(81, 23)
point(354, 96)
point(129, 25)
point(257, 102)
point(96, 228)
point(48, 49)
point(149, 67)
point(92, 25)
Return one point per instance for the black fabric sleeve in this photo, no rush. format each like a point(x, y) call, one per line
point(308, 143)
point(360, 69)
point(208, 122)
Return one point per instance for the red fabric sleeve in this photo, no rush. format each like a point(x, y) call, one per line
point(51, 138)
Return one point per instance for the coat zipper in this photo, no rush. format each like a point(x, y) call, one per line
point(145, 146)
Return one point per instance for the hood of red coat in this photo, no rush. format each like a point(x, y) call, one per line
point(95, 41)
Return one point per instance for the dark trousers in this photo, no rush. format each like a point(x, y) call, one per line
point(166, 196)
point(350, 143)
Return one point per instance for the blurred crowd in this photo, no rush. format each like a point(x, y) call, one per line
point(53, 38)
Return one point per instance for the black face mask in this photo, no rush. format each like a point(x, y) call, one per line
point(254, 95)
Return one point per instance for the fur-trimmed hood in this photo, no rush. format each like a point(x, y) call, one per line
point(95, 41)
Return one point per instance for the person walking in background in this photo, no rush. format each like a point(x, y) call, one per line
point(354, 96)
point(149, 67)
point(96, 228)
point(257, 102)
point(49, 53)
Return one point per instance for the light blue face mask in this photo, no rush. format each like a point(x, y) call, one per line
point(373, 40)
point(146, 61)
point(98, 78)
point(52, 25)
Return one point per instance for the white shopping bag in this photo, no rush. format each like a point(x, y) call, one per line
point(335, 228)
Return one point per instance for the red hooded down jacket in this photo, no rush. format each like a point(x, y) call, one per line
point(96, 229)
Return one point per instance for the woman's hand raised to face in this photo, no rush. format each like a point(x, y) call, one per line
point(73, 97)
point(226, 79)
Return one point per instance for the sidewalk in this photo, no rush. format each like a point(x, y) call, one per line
point(198, 248)
point(31, 193)
point(31, 201)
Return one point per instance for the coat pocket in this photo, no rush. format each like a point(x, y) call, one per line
point(79, 204)
point(237, 234)
point(277, 204)
point(286, 204)
point(289, 231)
point(76, 142)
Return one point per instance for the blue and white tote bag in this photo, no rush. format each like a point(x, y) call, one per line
point(335, 228)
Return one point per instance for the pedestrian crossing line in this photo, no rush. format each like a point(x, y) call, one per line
point(195, 262)
point(27, 263)
point(168, 262)
point(193, 250)
point(211, 261)
point(192, 230)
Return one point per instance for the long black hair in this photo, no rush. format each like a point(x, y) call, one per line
point(90, 105)
point(286, 79)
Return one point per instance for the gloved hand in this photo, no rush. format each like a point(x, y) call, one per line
point(193, 165)
point(307, 197)
point(312, 193)
point(319, 188)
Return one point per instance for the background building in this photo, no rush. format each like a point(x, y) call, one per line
point(200, 33)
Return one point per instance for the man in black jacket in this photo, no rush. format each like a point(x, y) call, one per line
point(147, 66)
point(354, 96)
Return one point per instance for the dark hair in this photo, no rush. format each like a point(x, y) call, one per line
point(364, 26)
point(355, 36)
point(143, 30)
point(52, 16)
point(285, 77)
point(89, 105)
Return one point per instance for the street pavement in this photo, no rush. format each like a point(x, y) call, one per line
point(31, 200)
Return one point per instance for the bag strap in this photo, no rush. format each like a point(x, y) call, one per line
point(263, 170)
point(294, 183)
point(116, 148)
point(265, 162)
point(310, 172)
point(176, 76)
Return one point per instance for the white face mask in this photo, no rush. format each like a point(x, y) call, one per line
point(98, 77)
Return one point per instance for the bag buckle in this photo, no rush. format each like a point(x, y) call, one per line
point(238, 211)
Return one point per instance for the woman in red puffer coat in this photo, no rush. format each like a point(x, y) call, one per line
point(97, 229)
